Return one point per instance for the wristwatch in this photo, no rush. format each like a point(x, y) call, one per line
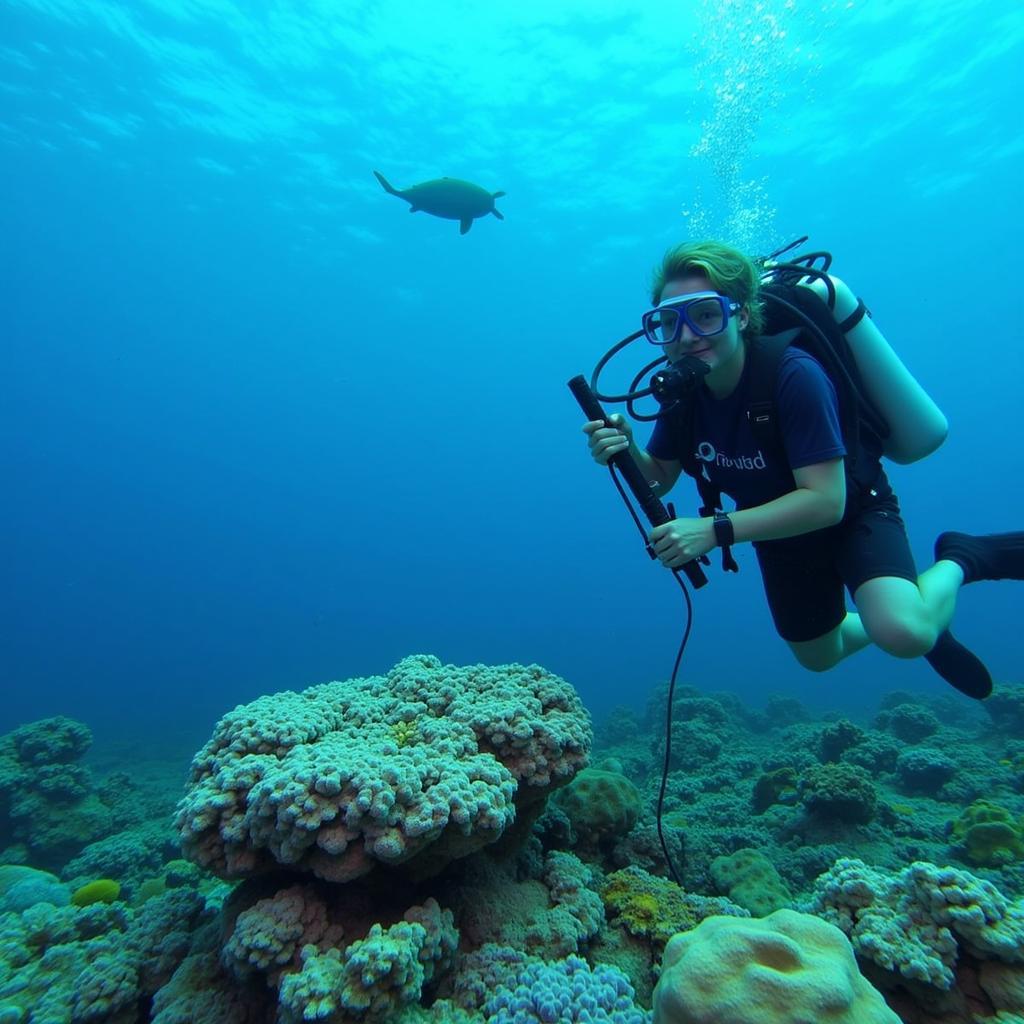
point(725, 536)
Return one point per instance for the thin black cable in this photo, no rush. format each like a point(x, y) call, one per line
point(676, 876)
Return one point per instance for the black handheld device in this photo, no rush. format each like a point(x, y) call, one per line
point(648, 501)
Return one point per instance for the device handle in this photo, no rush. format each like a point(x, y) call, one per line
point(648, 501)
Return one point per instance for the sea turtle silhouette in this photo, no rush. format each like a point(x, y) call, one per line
point(447, 197)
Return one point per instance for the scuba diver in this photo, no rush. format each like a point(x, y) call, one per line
point(750, 411)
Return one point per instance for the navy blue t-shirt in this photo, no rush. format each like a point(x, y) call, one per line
point(807, 411)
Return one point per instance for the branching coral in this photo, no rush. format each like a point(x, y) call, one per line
point(914, 922)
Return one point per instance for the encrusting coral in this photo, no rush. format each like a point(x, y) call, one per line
point(656, 908)
point(750, 879)
point(102, 890)
point(989, 834)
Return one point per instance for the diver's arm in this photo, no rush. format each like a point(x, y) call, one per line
point(817, 502)
point(661, 474)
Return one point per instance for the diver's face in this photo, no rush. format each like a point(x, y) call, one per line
point(717, 350)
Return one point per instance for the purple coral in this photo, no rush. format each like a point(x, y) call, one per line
point(565, 992)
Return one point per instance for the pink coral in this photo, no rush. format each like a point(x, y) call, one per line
point(427, 763)
point(268, 937)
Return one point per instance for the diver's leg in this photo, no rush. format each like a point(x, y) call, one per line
point(939, 587)
point(910, 620)
point(825, 652)
point(904, 612)
point(895, 616)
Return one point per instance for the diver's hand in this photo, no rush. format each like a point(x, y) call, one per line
point(682, 540)
point(608, 441)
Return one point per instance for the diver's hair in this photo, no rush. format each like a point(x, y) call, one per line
point(729, 271)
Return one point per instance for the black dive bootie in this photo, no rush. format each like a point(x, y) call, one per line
point(959, 667)
point(993, 556)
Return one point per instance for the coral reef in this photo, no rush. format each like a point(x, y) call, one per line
point(316, 781)
point(47, 802)
point(551, 915)
point(915, 922)
point(840, 792)
point(375, 975)
point(429, 847)
point(93, 963)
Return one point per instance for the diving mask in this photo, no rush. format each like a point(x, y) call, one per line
point(705, 313)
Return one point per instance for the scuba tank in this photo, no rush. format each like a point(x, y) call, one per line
point(914, 425)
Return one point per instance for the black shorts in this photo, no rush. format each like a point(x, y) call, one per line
point(804, 576)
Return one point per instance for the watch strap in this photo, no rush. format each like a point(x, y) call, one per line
point(725, 537)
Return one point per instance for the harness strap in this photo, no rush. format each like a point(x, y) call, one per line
point(766, 354)
point(855, 317)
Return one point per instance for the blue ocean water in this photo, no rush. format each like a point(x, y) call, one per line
point(263, 428)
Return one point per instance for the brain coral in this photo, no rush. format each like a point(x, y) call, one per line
point(428, 762)
point(784, 969)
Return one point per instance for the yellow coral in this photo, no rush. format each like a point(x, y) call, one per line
point(103, 890)
point(640, 915)
point(149, 888)
point(404, 733)
point(904, 809)
point(647, 905)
